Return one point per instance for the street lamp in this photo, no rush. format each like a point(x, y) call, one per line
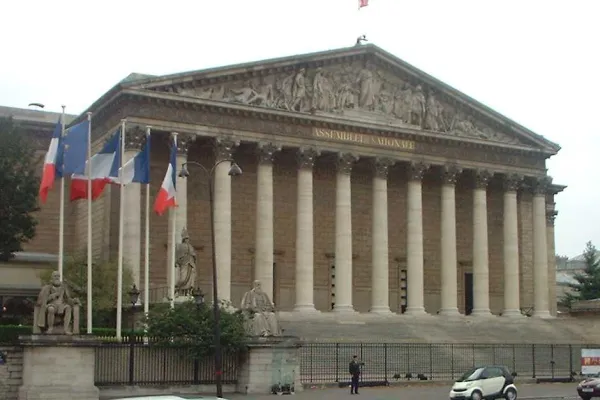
point(134, 295)
point(198, 296)
point(234, 170)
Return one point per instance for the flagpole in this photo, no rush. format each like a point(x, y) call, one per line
point(147, 238)
point(89, 226)
point(61, 218)
point(121, 223)
point(173, 244)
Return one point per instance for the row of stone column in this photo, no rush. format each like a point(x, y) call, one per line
point(343, 233)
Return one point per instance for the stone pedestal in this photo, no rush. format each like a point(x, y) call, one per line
point(57, 367)
point(270, 361)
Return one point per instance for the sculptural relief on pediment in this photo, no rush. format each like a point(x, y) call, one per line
point(357, 91)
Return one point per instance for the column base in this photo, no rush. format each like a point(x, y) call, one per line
point(482, 312)
point(512, 314)
point(380, 310)
point(450, 312)
point(344, 309)
point(542, 314)
point(305, 308)
point(415, 311)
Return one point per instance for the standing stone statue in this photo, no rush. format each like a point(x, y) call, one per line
point(54, 305)
point(260, 310)
point(185, 264)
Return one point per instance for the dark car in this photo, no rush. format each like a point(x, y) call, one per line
point(589, 388)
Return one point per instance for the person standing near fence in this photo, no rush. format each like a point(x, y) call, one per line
point(354, 369)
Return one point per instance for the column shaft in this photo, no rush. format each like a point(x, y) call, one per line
point(263, 257)
point(541, 305)
point(343, 234)
point(380, 291)
point(449, 295)
point(132, 226)
point(304, 232)
point(414, 241)
point(512, 307)
point(222, 216)
point(481, 273)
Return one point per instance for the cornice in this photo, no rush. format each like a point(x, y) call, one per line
point(307, 119)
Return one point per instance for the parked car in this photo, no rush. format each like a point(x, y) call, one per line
point(589, 388)
point(485, 382)
point(171, 397)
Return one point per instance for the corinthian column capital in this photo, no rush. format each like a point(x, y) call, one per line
point(266, 152)
point(482, 178)
point(450, 174)
point(345, 162)
point(224, 148)
point(381, 166)
point(416, 170)
point(306, 157)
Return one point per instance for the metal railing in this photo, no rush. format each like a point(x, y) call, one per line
point(328, 362)
point(139, 363)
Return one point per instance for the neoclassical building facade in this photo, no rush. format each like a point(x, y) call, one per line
point(367, 186)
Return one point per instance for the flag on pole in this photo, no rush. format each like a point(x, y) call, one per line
point(51, 169)
point(362, 3)
point(73, 152)
point(166, 194)
point(136, 170)
point(104, 164)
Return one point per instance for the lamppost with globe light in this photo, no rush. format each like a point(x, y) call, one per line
point(234, 170)
point(134, 295)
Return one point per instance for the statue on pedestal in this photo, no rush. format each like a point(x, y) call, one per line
point(260, 312)
point(185, 265)
point(55, 311)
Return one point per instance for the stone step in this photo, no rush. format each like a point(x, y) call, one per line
point(436, 329)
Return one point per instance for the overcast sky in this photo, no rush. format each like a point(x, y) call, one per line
point(535, 61)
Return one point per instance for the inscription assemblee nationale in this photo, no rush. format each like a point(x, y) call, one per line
point(362, 138)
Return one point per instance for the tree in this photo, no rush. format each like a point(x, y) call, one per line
point(587, 283)
point(19, 185)
point(104, 289)
point(191, 325)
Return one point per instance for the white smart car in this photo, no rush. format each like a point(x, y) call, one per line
point(487, 382)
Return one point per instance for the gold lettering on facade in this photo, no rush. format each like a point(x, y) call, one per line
point(370, 140)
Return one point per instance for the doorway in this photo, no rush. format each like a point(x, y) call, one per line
point(468, 293)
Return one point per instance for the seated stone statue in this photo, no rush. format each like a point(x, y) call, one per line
point(55, 306)
point(260, 311)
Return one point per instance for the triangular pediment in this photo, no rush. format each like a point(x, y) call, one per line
point(363, 84)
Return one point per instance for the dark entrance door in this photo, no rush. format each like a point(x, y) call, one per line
point(468, 293)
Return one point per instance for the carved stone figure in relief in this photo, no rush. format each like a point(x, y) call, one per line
point(366, 83)
point(345, 96)
point(434, 113)
point(299, 91)
point(322, 95)
point(385, 101)
point(417, 107)
point(465, 126)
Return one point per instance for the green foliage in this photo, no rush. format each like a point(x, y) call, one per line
point(587, 285)
point(19, 185)
point(192, 326)
point(104, 288)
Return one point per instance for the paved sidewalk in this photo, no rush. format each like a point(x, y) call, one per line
point(431, 391)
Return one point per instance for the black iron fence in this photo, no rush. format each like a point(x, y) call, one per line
point(389, 362)
point(139, 363)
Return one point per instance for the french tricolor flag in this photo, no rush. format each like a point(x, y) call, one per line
point(51, 170)
point(104, 164)
point(166, 194)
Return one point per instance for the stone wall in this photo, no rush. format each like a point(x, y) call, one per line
point(11, 372)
